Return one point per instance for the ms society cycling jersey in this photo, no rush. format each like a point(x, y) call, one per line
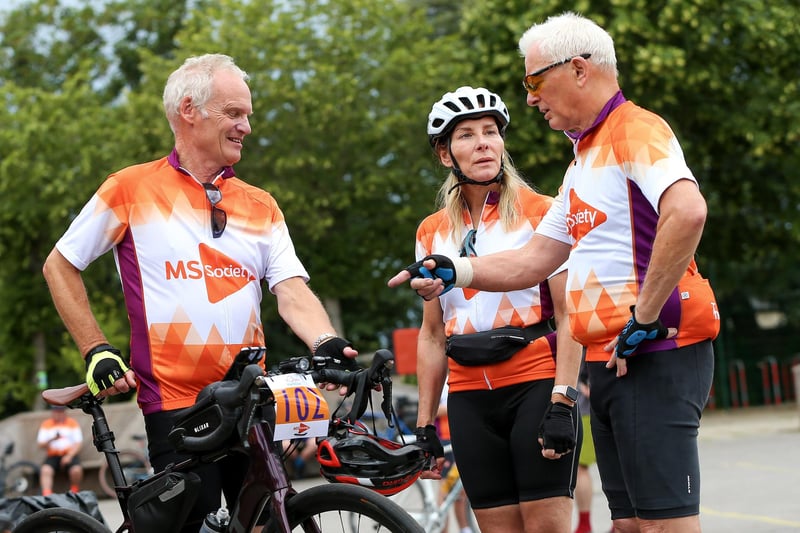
point(468, 311)
point(193, 301)
point(607, 209)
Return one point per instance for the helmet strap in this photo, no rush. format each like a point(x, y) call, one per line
point(464, 180)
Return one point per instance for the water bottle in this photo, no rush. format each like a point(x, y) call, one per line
point(216, 522)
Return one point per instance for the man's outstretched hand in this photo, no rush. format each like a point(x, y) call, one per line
point(434, 275)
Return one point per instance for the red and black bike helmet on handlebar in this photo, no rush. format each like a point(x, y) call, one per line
point(356, 456)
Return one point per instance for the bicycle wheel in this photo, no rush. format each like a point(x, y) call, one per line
point(419, 501)
point(134, 466)
point(329, 508)
point(60, 520)
point(22, 479)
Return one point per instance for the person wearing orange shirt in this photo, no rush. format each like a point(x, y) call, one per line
point(627, 220)
point(510, 377)
point(61, 436)
point(195, 246)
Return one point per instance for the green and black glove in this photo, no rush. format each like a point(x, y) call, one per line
point(104, 366)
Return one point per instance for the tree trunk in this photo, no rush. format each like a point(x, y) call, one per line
point(334, 310)
point(39, 367)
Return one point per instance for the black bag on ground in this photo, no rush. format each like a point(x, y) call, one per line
point(163, 503)
point(85, 501)
point(493, 346)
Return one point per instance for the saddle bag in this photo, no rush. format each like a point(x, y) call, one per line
point(162, 503)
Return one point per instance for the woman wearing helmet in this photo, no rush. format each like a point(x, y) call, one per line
point(496, 350)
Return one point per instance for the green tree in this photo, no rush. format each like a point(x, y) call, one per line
point(338, 138)
point(62, 132)
point(51, 143)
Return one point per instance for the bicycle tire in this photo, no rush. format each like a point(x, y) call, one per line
point(60, 520)
point(330, 508)
point(134, 466)
point(22, 479)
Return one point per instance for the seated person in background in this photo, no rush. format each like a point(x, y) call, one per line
point(62, 437)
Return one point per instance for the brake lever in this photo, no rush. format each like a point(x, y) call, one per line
point(378, 373)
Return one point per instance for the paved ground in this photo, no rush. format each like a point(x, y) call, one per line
point(750, 462)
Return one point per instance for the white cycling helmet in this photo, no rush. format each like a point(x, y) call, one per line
point(466, 102)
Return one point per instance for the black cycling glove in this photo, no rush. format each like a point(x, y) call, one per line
point(444, 270)
point(557, 429)
point(634, 333)
point(333, 351)
point(104, 366)
point(429, 442)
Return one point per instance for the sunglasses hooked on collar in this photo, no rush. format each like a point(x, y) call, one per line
point(533, 81)
point(219, 218)
point(468, 245)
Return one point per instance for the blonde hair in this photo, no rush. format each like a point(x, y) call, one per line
point(454, 203)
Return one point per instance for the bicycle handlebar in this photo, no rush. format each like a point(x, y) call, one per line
point(214, 416)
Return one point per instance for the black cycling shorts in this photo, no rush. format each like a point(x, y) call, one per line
point(55, 463)
point(494, 435)
point(223, 476)
point(645, 428)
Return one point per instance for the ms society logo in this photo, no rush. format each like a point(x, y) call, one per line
point(223, 276)
point(582, 217)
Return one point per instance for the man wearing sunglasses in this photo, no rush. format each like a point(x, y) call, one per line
point(627, 220)
point(193, 244)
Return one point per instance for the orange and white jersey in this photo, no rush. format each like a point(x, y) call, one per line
point(61, 436)
point(607, 210)
point(193, 301)
point(470, 311)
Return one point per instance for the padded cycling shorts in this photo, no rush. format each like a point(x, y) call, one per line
point(645, 428)
point(494, 436)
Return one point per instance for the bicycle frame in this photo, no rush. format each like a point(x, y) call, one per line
point(266, 478)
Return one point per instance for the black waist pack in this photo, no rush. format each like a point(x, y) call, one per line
point(493, 346)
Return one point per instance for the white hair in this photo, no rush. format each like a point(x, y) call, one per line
point(568, 35)
point(195, 79)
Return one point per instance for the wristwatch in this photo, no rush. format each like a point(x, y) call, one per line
point(570, 393)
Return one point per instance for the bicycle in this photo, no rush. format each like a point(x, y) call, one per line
point(242, 413)
point(135, 465)
point(18, 479)
point(421, 501)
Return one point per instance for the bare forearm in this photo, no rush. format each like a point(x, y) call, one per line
point(431, 372)
point(568, 351)
point(520, 268)
point(302, 311)
point(679, 231)
point(71, 302)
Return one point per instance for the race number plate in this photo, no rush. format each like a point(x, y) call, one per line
point(301, 411)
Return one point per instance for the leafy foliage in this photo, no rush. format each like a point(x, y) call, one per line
point(341, 97)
